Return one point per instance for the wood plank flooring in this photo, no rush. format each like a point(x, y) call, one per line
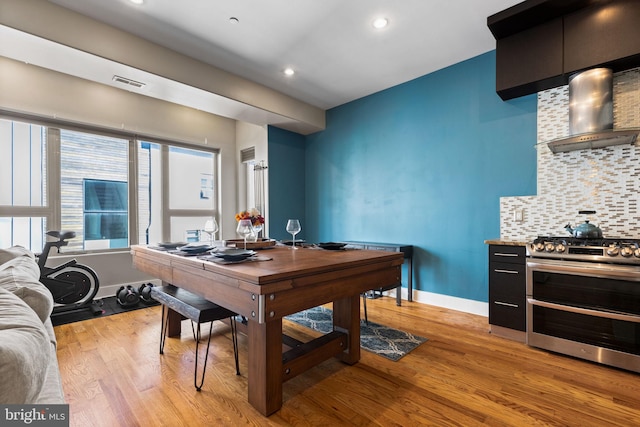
point(463, 376)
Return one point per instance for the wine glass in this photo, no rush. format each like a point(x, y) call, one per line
point(293, 227)
point(210, 227)
point(257, 229)
point(244, 229)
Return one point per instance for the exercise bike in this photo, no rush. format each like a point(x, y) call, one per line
point(73, 285)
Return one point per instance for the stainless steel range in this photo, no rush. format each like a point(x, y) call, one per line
point(583, 298)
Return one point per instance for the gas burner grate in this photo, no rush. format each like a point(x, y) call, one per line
point(573, 241)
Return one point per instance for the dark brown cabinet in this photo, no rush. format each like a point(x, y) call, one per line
point(507, 287)
point(541, 43)
point(529, 61)
point(607, 35)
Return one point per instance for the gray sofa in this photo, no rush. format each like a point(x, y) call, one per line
point(28, 360)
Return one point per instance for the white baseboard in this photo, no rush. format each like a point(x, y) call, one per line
point(447, 301)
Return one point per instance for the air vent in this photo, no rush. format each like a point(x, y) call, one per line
point(248, 155)
point(126, 81)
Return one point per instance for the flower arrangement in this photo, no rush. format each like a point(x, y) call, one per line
point(253, 214)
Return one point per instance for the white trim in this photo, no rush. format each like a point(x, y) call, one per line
point(446, 301)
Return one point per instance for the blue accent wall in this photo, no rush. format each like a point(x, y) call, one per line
point(422, 163)
point(286, 169)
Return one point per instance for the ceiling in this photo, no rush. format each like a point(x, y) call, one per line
point(336, 53)
point(331, 44)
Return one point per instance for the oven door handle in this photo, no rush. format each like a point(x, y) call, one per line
point(597, 313)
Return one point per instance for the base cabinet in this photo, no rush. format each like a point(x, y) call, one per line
point(507, 288)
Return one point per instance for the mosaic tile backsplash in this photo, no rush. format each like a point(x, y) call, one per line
point(605, 180)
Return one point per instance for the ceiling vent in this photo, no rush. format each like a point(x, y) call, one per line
point(126, 81)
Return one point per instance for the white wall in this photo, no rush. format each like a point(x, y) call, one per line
point(247, 136)
point(33, 90)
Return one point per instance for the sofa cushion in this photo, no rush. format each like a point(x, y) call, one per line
point(24, 351)
point(20, 274)
point(13, 252)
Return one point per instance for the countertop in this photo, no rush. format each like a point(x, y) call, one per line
point(506, 242)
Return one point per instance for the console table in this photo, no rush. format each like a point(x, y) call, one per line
point(407, 251)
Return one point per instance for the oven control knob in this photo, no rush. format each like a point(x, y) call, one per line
point(539, 247)
point(626, 252)
point(560, 248)
point(613, 250)
point(549, 247)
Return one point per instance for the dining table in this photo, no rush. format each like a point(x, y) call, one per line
point(278, 282)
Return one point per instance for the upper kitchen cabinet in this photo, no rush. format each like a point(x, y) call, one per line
point(529, 61)
point(607, 35)
point(540, 43)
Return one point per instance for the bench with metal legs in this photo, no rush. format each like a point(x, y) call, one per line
point(198, 310)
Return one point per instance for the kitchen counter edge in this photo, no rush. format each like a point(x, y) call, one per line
point(505, 242)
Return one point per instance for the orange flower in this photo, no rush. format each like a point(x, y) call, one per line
point(253, 214)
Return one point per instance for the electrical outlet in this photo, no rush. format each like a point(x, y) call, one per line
point(518, 215)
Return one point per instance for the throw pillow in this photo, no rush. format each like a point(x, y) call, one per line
point(14, 252)
point(20, 275)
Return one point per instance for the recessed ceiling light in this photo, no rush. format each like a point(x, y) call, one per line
point(380, 23)
point(234, 20)
point(289, 71)
point(137, 1)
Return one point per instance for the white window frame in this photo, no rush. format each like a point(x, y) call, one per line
point(52, 211)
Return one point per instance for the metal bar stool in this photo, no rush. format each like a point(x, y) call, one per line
point(198, 310)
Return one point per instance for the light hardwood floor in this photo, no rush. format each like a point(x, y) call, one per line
point(463, 376)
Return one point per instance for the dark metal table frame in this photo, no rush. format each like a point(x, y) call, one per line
point(407, 251)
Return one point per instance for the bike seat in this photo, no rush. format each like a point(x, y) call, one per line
point(62, 235)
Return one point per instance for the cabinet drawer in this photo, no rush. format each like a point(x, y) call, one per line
point(510, 296)
point(507, 278)
point(510, 254)
point(507, 316)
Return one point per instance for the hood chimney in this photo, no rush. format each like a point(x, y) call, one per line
point(591, 114)
point(591, 101)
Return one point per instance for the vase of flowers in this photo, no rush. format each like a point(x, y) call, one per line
point(257, 221)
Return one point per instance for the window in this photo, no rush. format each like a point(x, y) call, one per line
point(175, 203)
point(23, 184)
point(94, 171)
point(105, 213)
point(82, 180)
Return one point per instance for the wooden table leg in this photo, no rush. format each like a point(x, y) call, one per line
point(265, 366)
point(174, 322)
point(346, 317)
point(174, 319)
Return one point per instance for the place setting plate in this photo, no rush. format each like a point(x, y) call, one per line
point(194, 249)
point(171, 245)
point(332, 246)
point(230, 255)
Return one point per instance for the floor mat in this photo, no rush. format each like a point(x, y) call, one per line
point(103, 307)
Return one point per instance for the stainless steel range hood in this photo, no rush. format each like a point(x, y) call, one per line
point(591, 114)
point(592, 140)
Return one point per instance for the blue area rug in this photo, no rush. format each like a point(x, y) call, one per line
point(379, 339)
